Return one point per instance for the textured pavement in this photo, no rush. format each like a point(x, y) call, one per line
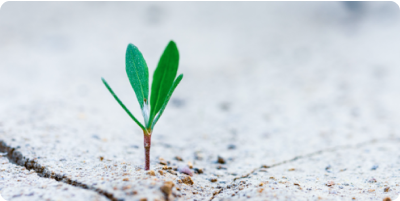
point(299, 100)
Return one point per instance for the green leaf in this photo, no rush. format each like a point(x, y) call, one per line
point(138, 74)
point(176, 82)
point(122, 105)
point(163, 78)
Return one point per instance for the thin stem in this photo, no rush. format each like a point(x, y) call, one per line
point(147, 144)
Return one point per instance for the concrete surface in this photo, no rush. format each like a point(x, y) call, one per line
point(312, 85)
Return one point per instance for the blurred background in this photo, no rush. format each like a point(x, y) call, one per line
point(286, 72)
point(60, 47)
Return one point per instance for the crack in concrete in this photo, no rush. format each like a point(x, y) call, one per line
point(17, 158)
point(332, 149)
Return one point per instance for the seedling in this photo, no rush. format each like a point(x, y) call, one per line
point(164, 84)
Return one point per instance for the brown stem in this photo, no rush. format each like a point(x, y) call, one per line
point(147, 144)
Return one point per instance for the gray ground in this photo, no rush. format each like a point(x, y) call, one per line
point(299, 99)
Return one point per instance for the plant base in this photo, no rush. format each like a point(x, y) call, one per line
point(147, 144)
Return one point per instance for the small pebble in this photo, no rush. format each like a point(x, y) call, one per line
point(166, 188)
point(386, 189)
point(185, 170)
point(151, 173)
point(387, 199)
point(190, 165)
point(221, 160)
point(125, 179)
point(213, 179)
point(187, 180)
point(198, 170)
point(178, 158)
point(330, 183)
point(162, 162)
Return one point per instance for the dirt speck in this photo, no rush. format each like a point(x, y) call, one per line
point(187, 180)
point(166, 188)
point(190, 165)
point(151, 173)
point(387, 199)
point(330, 183)
point(162, 161)
point(386, 189)
point(221, 160)
point(178, 158)
point(198, 170)
point(125, 179)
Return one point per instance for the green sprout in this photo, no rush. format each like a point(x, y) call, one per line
point(164, 84)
